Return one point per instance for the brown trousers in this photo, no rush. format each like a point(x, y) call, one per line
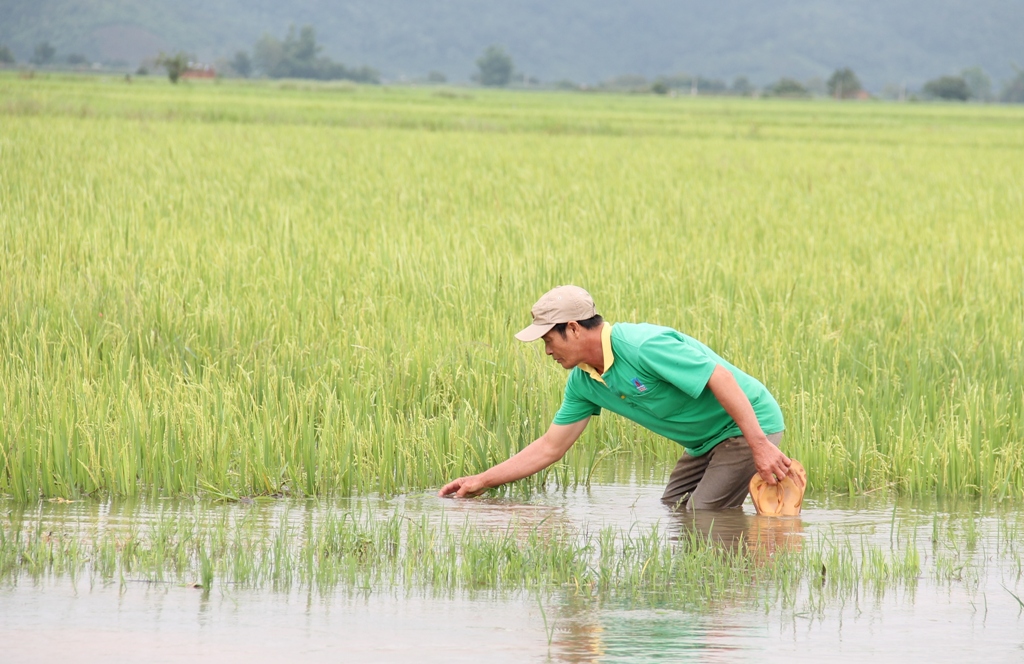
point(716, 480)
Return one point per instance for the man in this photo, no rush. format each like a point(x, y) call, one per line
point(668, 382)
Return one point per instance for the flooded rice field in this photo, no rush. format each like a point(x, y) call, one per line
point(600, 574)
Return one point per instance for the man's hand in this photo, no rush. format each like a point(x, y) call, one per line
point(464, 487)
point(772, 464)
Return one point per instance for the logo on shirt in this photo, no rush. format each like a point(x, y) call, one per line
point(640, 387)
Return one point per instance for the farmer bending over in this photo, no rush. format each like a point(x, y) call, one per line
point(672, 384)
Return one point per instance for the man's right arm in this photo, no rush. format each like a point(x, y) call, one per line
point(533, 458)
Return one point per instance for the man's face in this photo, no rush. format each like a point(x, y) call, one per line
point(565, 350)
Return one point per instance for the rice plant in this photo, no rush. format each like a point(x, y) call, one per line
point(243, 290)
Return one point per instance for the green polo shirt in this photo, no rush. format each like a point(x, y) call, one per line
point(657, 377)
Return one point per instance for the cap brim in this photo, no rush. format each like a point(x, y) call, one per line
point(534, 332)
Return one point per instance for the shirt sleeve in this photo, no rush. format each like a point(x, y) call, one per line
point(574, 406)
point(678, 360)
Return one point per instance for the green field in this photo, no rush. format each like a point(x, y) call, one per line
point(261, 289)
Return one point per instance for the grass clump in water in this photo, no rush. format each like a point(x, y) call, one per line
point(356, 552)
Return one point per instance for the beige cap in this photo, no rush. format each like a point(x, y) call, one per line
point(558, 305)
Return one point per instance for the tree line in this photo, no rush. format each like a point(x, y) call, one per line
point(299, 55)
point(970, 84)
point(43, 54)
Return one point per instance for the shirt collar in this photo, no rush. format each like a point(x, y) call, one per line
point(606, 346)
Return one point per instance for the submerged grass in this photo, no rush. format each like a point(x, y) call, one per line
point(237, 290)
point(360, 551)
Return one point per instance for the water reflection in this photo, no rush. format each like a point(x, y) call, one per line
point(735, 528)
point(587, 635)
point(628, 634)
point(964, 601)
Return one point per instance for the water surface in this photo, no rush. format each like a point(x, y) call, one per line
point(961, 605)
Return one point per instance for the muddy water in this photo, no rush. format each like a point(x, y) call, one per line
point(970, 613)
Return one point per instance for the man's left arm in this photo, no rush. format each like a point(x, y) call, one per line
point(771, 463)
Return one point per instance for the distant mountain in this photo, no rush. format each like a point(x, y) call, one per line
point(884, 41)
